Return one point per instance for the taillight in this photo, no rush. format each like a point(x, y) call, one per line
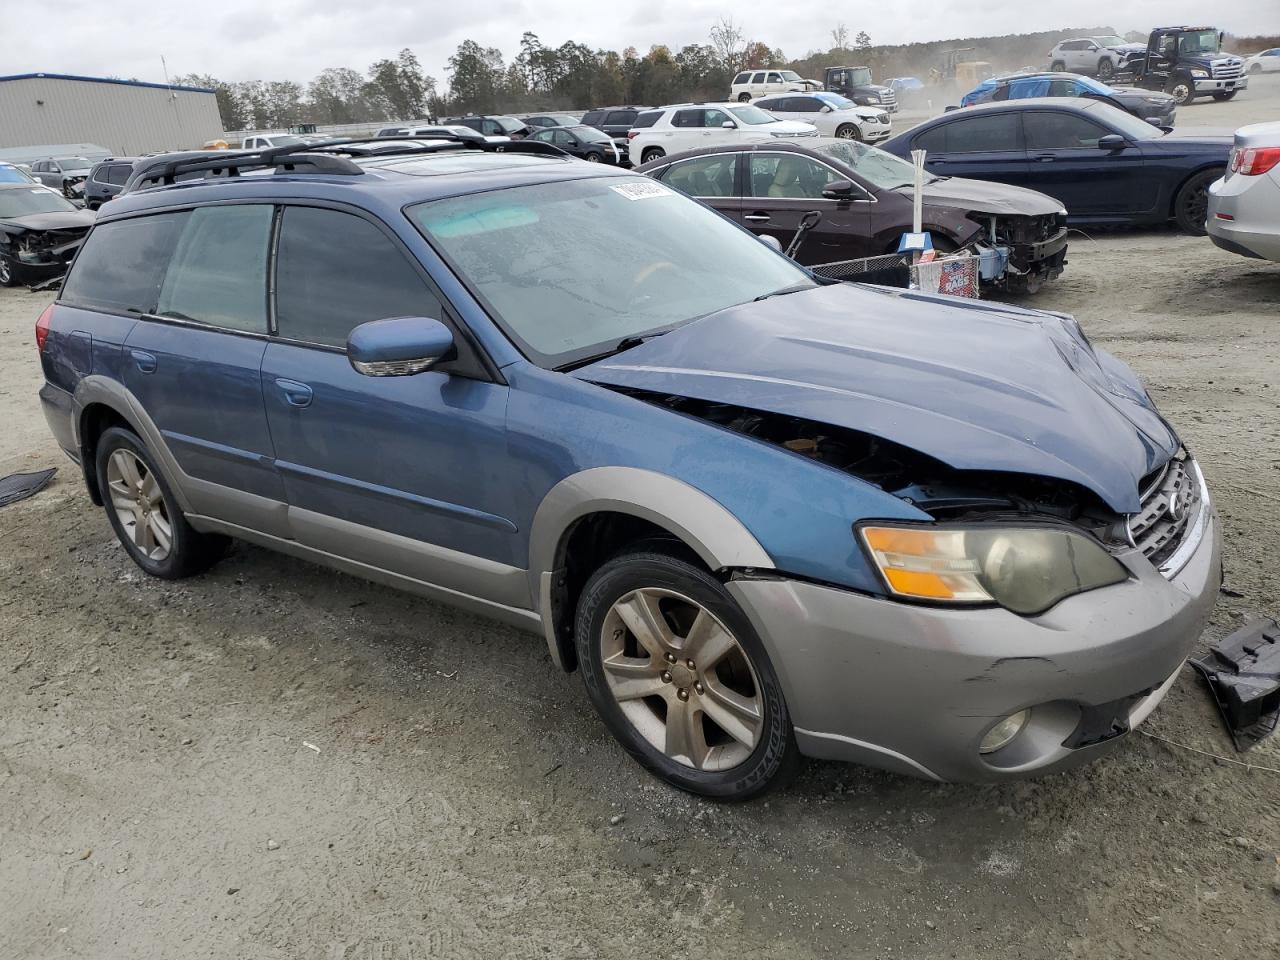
point(1252, 161)
point(632, 134)
point(42, 327)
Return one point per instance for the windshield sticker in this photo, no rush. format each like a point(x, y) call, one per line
point(641, 190)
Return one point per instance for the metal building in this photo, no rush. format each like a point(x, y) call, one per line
point(128, 117)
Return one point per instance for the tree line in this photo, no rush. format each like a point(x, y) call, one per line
point(480, 80)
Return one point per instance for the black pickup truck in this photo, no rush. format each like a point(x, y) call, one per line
point(1185, 62)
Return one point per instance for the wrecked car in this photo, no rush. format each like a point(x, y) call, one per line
point(764, 515)
point(40, 232)
point(864, 198)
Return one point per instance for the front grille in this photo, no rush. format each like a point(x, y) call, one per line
point(888, 98)
point(1228, 69)
point(1171, 505)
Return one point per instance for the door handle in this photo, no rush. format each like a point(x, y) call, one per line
point(146, 362)
point(756, 217)
point(1044, 158)
point(298, 394)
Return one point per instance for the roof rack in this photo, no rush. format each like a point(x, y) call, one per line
point(296, 156)
point(435, 143)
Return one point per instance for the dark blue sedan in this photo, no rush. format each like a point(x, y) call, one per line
point(1105, 165)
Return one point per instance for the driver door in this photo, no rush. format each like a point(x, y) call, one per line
point(782, 187)
point(1064, 161)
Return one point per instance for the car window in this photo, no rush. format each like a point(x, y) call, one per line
point(100, 173)
point(121, 265)
point(1064, 88)
point(618, 118)
point(980, 134)
point(742, 78)
point(544, 136)
point(788, 175)
point(757, 78)
point(715, 118)
point(10, 174)
point(774, 78)
point(335, 271)
point(592, 117)
point(643, 120)
point(703, 177)
point(218, 272)
point(1046, 130)
point(119, 174)
point(562, 138)
point(804, 105)
point(687, 118)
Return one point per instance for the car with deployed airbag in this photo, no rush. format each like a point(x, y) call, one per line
point(764, 514)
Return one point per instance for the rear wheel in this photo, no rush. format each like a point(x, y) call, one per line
point(1191, 205)
point(1106, 69)
point(145, 514)
point(7, 279)
point(1058, 66)
point(744, 98)
point(1225, 95)
point(849, 131)
point(653, 153)
point(680, 678)
point(1182, 88)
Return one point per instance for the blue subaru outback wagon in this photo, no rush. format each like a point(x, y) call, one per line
point(764, 514)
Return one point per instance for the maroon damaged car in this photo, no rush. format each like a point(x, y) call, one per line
point(864, 196)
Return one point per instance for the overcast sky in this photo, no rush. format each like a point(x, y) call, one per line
point(295, 39)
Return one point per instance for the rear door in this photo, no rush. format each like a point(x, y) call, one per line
point(713, 179)
point(194, 360)
point(782, 187)
point(399, 473)
point(686, 131)
point(983, 145)
point(1065, 162)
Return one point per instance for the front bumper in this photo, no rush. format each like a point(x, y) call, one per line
point(1211, 85)
point(914, 689)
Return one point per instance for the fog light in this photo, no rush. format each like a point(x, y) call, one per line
point(1003, 732)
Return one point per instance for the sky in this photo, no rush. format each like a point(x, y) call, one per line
point(296, 39)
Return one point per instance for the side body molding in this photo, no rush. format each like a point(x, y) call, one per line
point(715, 534)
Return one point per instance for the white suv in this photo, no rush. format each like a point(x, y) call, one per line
point(688, 126)
point(757, 83)
point(832, 114)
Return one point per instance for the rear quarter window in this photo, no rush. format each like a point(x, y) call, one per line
point(646, 119)
point(121, 266)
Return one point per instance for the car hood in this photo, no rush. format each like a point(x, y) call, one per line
point(984, 196)
point(1129, 48)
point(67, 220)
point(977, 386)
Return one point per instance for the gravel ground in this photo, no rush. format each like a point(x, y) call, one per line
point(277, 761)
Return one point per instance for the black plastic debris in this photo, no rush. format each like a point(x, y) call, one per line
point(19, 486)
point(1243, 673)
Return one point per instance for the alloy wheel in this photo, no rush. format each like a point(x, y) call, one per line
point(6, 273)
point(139, 505)
point(848, 132)
point(682, 679)
point(1194, 203)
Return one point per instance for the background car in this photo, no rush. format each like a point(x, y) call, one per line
point(615, 121)
point(452, 130)
point(832, 114)
point(769, 187)
point(499, 125)
point(586, 143)
point(265, 141)
point(1244, 206)
point(1102, 56)
point(40, 231)
point(64, 174)
point(12, 173)
point(1268, 61)
point(1150, 105)
point(551, 120)
point(750, 84)
point(106, 179)
point(1104, 165)
point(690, 125)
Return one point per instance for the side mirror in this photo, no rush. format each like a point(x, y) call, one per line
point(1112, 141)
point(398, 347)
point(729, 125)
point(839, 190)
point(770, 241)
point(825, 108)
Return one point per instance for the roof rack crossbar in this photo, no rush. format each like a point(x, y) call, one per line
point(286, 157)
point(385, 146)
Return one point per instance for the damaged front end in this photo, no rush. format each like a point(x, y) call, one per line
point(33, 256)
point(1021, 253)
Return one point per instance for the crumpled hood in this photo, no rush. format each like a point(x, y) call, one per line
point(977, 386)
point(984, 196)
point(59, 220)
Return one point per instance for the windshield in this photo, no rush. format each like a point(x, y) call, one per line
point(10, 174)
point(1109, 41)
point(835, 101)
point(1198, 41)
point(882, 169)
point(509, 123)
point(21, 203)
point(74, 164)
point(860, 76)
point(752, 115)
point(592, 135)
point(1124, 122)
point(790, 76)
point(569, 269)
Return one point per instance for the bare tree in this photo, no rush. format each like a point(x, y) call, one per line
point(840, 37)
point(729, 43)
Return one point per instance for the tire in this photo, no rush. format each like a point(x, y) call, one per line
point(653, 153)
point(153, 509)
point(681, 706)
point(1182, 88)
point(1191, 204)
point(1255, 69)
point(849, 131)
point(593, 157)
point(744, 98)
point(1225, 95)
point(1058, 66)
point(1106, 69)
point(8, 276)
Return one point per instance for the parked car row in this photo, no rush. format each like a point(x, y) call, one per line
point(1158, 109)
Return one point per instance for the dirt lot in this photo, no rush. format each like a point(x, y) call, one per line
point(276, 761)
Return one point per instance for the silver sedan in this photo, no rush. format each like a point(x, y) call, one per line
point(1244, 206)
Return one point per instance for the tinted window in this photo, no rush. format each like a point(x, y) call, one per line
point(647, 119)
point(562, 138)
point(804, 105)
point(703, 177)
point(544, 136)
point(742, 78)
point(335, 271)
point(1060, 131)
point(218, 273)
point(758, 78)
point(974, 135)
point(788, 175)
point(122, 264)
point(619, 118)
point(687, 118)
point(119, 174)
point(592, 117)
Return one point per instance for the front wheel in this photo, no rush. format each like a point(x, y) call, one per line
point(145, 514)
point(1225, 95)
point(653, 153)
point(849, 131)
point(1182, 89)
point(680, 678)
point(7, 278)
point(1106, 69)
point(1058, 66)
point(1191, 205)
point(593, 158)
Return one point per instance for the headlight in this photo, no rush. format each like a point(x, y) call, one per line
point(1200, 73)
point(1026, 570)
